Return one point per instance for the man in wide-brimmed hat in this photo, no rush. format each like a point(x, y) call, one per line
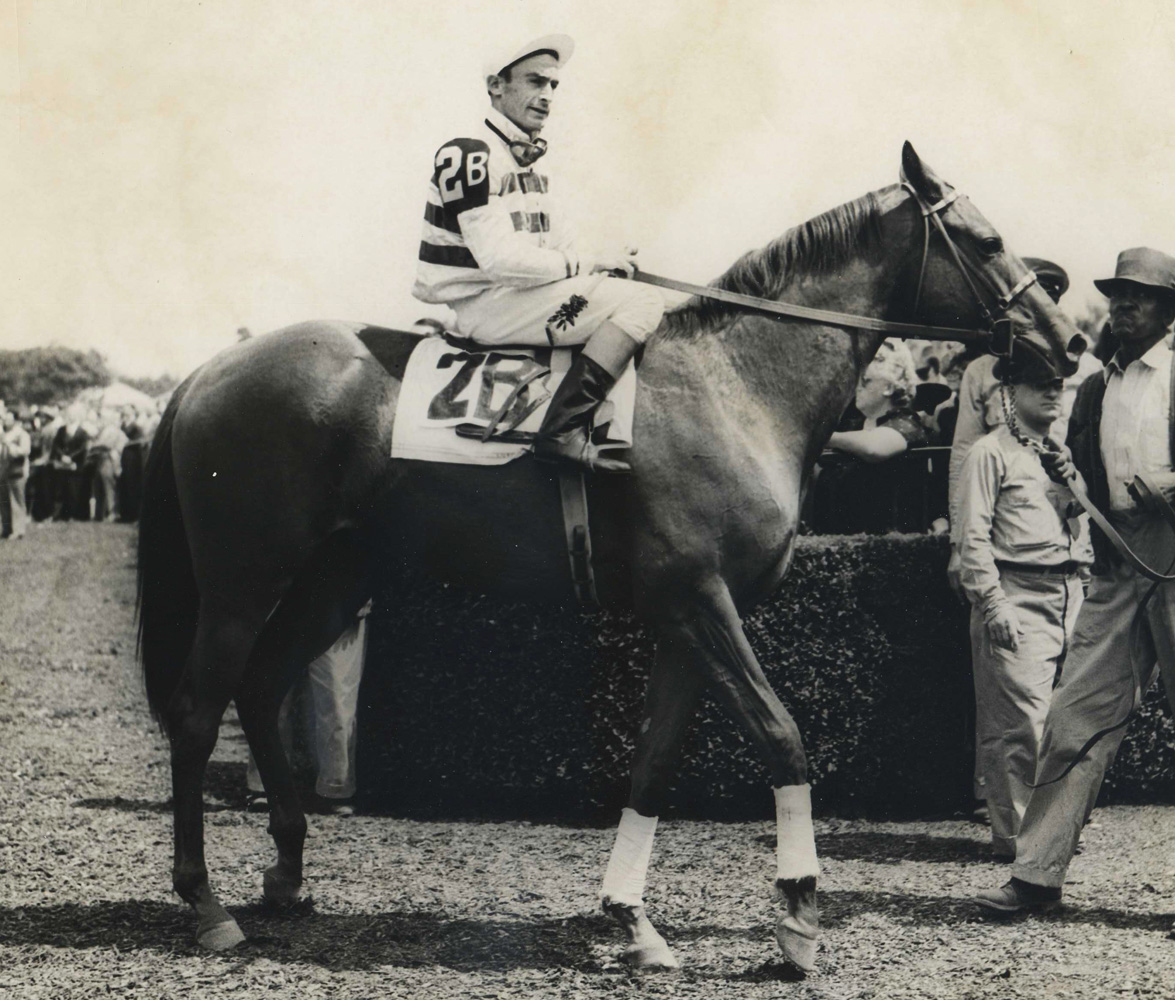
point(500, 251)
point(979, 411)
point(979, 407)
point(1023, 550)
point(1121, 427)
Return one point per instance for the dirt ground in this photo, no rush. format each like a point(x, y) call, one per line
point(413, 909)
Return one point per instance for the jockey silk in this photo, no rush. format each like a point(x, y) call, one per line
point(490, 222)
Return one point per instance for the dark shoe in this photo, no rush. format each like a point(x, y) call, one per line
point(1018, 896)
point(256, 802)
point(565, 436)
point(343, 808)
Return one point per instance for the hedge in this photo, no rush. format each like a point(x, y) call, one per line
point(472, 707)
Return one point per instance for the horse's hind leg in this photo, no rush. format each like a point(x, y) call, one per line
point(675, 686)
point(258, 704)
point(714, 631)
point(214, 667)
point(313, 613)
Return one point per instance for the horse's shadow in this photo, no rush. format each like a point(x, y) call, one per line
point(421, 939)
point(224, 789)
point(882, 848)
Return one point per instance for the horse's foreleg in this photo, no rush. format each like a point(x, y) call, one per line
point(282, 882)
point(193, 721)
point(670, 703)
point(742, 686)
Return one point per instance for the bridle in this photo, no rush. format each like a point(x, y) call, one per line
point(998, 326)
point(996, 331)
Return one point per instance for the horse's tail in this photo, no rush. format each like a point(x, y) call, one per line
point(168, 602)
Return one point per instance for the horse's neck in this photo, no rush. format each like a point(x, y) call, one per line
point(801, 374)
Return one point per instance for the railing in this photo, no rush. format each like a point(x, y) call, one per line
point(906, 493)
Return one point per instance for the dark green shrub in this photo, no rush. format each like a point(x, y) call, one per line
point(473, 707)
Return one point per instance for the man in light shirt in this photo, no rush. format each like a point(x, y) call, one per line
point(14, 472)
point(1023, 549)
point(1121, 426)
point(980, 410)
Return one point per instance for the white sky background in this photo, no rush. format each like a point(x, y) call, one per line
point(172, 170)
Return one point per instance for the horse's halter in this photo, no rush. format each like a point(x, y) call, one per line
point(998, 325)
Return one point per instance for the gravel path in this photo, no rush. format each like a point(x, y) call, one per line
point(414, 909)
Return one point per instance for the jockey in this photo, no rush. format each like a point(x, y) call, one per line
point(499, 250)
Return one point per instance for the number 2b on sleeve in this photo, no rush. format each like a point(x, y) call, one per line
point(462, 175)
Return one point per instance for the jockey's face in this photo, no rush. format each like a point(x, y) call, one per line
point(525, 98)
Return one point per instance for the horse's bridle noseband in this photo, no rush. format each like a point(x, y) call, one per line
point(998, 325)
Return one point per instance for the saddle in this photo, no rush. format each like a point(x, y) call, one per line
point(474, 404)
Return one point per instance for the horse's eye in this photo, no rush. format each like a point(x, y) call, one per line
point(991, 246)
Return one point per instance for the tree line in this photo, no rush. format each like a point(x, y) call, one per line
point(39, 375)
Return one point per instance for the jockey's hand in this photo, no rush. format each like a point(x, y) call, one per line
point(1004, 629)
point(954, 574)
point(621, 263)
point(1058, 464)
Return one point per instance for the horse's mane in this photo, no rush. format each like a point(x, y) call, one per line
point(817, 246)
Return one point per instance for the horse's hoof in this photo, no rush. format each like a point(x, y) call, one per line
point(280, 890)
point(798, 942)
point(647, 950)
point(651, 957)
point(221, 936)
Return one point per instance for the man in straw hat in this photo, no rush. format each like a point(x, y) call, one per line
point(1121, 426)
point(1022, 550)
point(499, 250)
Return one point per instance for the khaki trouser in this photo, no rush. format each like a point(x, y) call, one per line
point(334, 699)
point(1013, 690)
point(1097, 690)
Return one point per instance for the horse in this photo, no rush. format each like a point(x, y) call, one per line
point(272, 504)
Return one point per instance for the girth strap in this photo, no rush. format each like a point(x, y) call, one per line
point(573, 493)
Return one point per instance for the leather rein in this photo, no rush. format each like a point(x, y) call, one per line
point(930, 215)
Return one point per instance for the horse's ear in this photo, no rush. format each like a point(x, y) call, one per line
point(919, 175)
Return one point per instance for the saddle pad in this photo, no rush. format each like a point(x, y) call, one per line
point(445, 385)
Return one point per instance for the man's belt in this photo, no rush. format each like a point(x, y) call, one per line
point(1068, 568)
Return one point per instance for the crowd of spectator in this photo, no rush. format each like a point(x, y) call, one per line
point(72, 463)
point(888, 465)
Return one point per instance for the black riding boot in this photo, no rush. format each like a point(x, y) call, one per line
point(565, 433)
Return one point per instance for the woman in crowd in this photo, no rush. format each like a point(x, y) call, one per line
point(885, 424)
point(862, 491)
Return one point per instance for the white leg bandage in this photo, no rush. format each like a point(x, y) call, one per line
point(795, 850)
point(624, 881)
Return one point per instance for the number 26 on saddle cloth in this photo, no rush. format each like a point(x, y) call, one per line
point(482, 406)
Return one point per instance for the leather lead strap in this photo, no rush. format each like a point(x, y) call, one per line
point(1171, 417)
point(1150, 495)
point(573, 493)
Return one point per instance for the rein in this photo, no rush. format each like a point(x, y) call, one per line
point(930, 213)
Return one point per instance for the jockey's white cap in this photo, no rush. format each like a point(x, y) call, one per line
point(507, 55)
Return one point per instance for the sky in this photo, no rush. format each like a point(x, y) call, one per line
point(173, 170)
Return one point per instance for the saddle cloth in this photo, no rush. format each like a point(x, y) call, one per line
point(446, 385)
